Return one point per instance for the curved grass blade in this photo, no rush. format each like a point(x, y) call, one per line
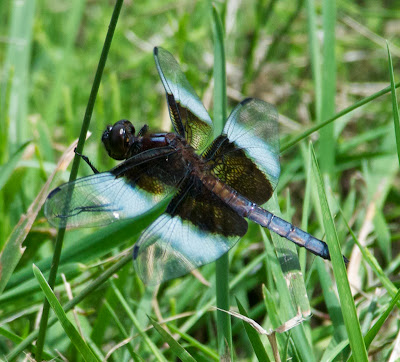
point(178, 350)
point(17, 339)
point(68, 327)
point(122, 330)
point(346, 300)
point(254, 337)
point(72, 303)
point(373, 263)
point(209, 352)
point(157, 354)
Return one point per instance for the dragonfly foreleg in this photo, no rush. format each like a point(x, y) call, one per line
point(86, 159)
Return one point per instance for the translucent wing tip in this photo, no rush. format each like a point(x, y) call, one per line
point(50, 209)
point(245, 101)
point(53, 192)
point(135, 252)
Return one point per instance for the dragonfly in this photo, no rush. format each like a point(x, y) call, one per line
point(214, 185)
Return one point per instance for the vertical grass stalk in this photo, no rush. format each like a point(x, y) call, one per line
point(348, 307)
point(394, 103)
point(222, 264)
point(314, 53)
point(74, 170)
point(328, 86)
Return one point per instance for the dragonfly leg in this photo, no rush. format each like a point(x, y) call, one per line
point(86, 159)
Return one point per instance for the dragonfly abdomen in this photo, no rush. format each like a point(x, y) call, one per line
point(252, 211)
point(289, 231)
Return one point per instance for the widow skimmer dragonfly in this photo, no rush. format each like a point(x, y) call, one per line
point(214, 191)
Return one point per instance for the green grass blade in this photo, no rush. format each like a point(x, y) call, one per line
point(72, 303)
point(17, 339)
point(345, 111)
point(331, 301)
point(346, 300)
point(210, 353)
point(373, 263)
point(121, 329)
point(178, 350)
point(68, 327)
point(220, 111)
point(288, 258)
point(315, 54)
point(254, 337)
point(373, 332)
point(17, 63)
point(75, 165)
point(222, 264)
point(327, 141)
point(289, 284)
point(7, 169)
point(157, 354)
point(396, 119)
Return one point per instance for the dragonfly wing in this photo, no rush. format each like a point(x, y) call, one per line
point(127, 191)
point(97, 200)
point(188, 115)
point(196, 229)
point(248, 147)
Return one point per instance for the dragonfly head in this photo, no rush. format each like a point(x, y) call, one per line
point(118, 139)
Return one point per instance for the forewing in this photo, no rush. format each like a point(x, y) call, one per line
point(188, 115)
point(196, 229)
point(98, 200)
point(246, 155)
point(127, 191)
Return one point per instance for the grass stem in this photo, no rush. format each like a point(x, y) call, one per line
point(74, 170)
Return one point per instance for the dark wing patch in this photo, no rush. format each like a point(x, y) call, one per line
point(246, 155)
point(195, 203)
point(188, 115)
point(154, 175)
point(196, 229)
point(232, 166)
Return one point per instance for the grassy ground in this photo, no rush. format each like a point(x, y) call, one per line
point(274, 50)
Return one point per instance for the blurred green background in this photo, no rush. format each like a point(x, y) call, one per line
point(310, 59)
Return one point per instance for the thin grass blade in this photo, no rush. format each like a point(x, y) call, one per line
point(327, 141)
point(222, 264)
point(178, 350)
point(345, 111)
point(72, 303)
point(253, 336)
point(68, 327)
point(396, 119)
point(156, 352)
point(346, 300)
point(7, 169)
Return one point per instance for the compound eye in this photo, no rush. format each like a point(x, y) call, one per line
point(117, 139)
